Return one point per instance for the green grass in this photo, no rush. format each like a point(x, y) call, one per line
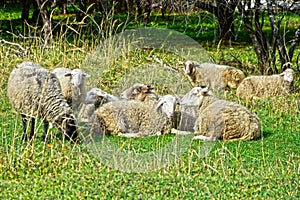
point(266, 168)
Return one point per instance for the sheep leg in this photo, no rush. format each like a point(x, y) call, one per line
point(24, 122)
point(32, 122)
point(205, 138)
point(179, 132)
point(128, 135)
point(46, 126)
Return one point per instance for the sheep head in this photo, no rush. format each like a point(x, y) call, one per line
point(195, 96)
point(288, 75)
point(167, 105)
point(77, 77)
point(138, 92)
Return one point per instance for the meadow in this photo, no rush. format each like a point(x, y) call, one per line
point(266, 168)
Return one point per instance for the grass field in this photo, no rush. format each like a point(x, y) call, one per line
point(267, 168)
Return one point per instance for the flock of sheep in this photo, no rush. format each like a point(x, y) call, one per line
point(54, 97)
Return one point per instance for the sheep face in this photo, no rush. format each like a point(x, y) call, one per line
point(94, 95)
point(194, 97)
point(288, 75)
point(77, 77)
point(167, 105)
point(189, 67)
point(138, 92)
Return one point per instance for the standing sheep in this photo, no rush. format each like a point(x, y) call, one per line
point(266, 86)
point(36, 93)
point(218, 77)
point(221, 119)
point(73, 85)
point(135, 118)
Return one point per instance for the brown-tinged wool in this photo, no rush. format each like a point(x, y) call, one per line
point(35, 92)
point(131, 117)
point(228, 121)
point(263, 86)
point(217, 77)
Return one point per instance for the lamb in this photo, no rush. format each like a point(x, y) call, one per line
point(135, 118)
point(217, 77)
point(221, 119)
point(34, 92)
point(73, 85)
point(94, 99)
point(266, 86)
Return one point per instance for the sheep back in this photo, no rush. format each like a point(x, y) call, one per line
point(228, 121)
point(263, 86)
point(131, 117)
point(35, 92)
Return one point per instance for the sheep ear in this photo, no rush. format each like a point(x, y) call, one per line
point(204, 90)
point(136, 91)
point(159, 104)
point(86, 75)
point(68, 74)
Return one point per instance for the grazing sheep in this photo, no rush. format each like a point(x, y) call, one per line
point(221, 119)
point(135, 118)
point(73, 85)
point(36, 93)
point(94, 99)
point(266, 86)
point(218, 77)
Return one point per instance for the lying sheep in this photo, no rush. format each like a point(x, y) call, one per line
point(218, 77)
point(94, 99)
point(221, 119)
point(73, 85)
point(266, 86)
point(184, 116)
point(138, 91)
point(135, 118)
point(36, 93)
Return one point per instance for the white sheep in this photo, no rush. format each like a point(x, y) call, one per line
point(73, 85)
point(217, 77)
point(36, 93)
point(94, 99)
point(135, 118)
point(266, 86)
point(221, 119)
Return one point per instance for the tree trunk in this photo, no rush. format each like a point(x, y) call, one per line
point(46, 18)
point(148, 6)
point(254, 20)
point(224, 11)
point(225, 26)
point(25, 9)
